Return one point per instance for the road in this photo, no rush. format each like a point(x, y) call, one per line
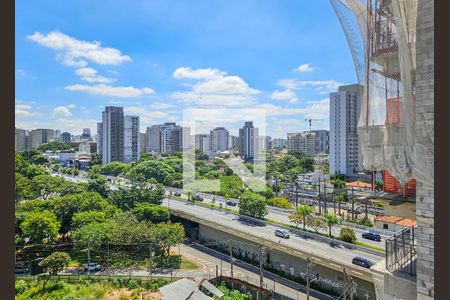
point(274, 213)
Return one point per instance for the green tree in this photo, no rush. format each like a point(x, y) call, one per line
point(253, 205)
point(331, 220)
point(316, 223)
point(96, 159)
point(127, 198)
point(45, 185)
point(307, 163)
point(199, 155)
point(146, 156)
point(54, 263)
point(301, 214)
point(92, 235)
point(280, 202)
point(168, 235)
point(347, 234)
point(72, 188)
point(38, 225)
point(151, 212)
point(379, 185)
point(24, 189)
point(98, 184)
point(85, 217)
point(54, 146)
point(114, 168)
point(159, 170)
point(297, 153)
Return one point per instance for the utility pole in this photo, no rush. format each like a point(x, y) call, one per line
point(309, 265)
point(261, 264)
point(231, 263)
point(150, 262)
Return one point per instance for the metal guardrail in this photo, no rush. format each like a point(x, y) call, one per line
point(401, 255)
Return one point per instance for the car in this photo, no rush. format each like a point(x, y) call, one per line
point(178, 194)
point(92, 267)
point(231, 203)
point(197, 197)
point(22, 270)
point(362, 262)
point(282, 233)
point(372, 236)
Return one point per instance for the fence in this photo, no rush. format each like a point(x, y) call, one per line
point(401, 255)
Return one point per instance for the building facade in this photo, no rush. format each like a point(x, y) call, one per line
point(65, 138)
point(112, 134)
point(279, 143)
point(100, 138)
point(248, 141)
point(21, 140)
point(39, 137)
point(131, 142)
point(202, 142)
point(322, 142)
point(219, 139)
point(302, 141)
point(345, 149)
point(233, 142)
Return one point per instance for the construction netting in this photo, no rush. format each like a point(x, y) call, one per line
point(382, 39)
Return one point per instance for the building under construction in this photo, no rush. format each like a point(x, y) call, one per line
point(391, 43)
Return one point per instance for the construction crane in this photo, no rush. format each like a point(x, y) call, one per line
point(309, 120)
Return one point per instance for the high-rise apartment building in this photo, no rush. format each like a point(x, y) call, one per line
point(65, 137)
point(39, 137)
point(143, 142)
point(248, 141)
point(154, 138)
point(167, 138)
point(219, 139)
point(86, 135)
point(279, 143)
point(233, 142)
point(345, 149)
point(322, 142)
point(112, 134)
point(202, 142)
point(100, 138)
point(131, 142)
point(21, 140)
point(302, 141)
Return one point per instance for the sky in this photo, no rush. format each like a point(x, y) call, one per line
point(159, 58)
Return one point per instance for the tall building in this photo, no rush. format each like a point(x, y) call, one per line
point(65, 137)
point(219, 138)
point(154, 138)
point(112, 134)
point(303, 141)
point(248, 141)
point(100, 138)
point(39, 137)
point(58, 135)
point(202, 142)
point(233, 142)
point(84, 148)
point(322, 142)
point(21, 140)
point(86, 135)
point(131, 142)
point(143, 142)
point(345, 149)
point(279, 143)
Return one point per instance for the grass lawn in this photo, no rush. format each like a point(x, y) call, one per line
point(187, 264)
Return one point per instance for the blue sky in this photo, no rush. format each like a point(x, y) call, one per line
point(157, 58)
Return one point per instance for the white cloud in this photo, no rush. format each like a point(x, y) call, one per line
point(71, 106)
point(162, 105)
point(149, 116)
point(287, 94)
point(215, 88)
point(112, 91)
point(90, 75)
point(304, 68)
point(61, 111)
point(326, 86)
point(318, 110)
point(23, 110)
point(73, 52)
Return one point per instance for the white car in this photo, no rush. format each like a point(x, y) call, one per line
point(282, 233)
point(92, 267)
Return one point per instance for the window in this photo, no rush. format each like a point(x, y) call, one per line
point(385, 226)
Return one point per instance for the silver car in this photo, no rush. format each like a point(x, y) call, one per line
point(282, 233)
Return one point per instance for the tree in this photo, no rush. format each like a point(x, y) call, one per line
point(297, 153)
point(127, 198)
point(72, 188)
point(348, 235)
point(114, 168)
point(92, 235)
point(301, 214)
point(331, 220)
point(307, 163)
point(96, 159)
point(280, 202)
point(151, 212)
point(342, 197)
point(146, 156)
point(253, 205)
point(168, 235)
point(39, 225)
point(157, 169)
point(316, 223)
point(379, 185)
point(54, 146)
point(199, 155)
point(54, 263)
point(45, 185)
point(98, 184)
point(85, 217)
point(24, 189)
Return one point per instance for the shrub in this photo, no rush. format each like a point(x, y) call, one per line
point(348, 235)
point(21, 286)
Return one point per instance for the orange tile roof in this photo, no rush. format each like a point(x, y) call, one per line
point(407, 222)
point(396, 220)
point(358, 184)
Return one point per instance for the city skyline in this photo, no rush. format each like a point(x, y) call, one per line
point(66, 75)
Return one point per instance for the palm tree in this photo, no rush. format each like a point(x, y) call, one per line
point(301, 214)
point(189, 194)
point(331, 220)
